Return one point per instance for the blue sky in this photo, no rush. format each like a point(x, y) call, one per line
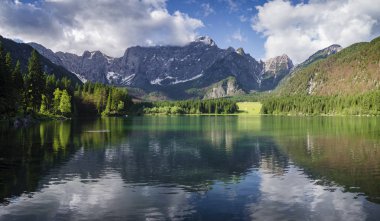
point(229, 24)
point(263, 28)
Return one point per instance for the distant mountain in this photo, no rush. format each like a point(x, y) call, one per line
point(321, 54)
point(22, 52)
point(175, 72)
point(275, 70)
point(349, 71)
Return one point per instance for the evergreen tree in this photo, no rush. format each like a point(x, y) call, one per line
point(2, 81)
point(8, 63)
point(17, 80)
point(57, 100)
point(108, 106)
point(49, 90)
point(36, 81)
point(18, 85)
point(44, 108)
point(65, 103)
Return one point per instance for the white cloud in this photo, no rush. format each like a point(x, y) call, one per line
point(238, 36)
point(207, 9)
point(300, 30)
point(110, 26)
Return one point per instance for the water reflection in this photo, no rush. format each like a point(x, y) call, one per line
point(192, 168)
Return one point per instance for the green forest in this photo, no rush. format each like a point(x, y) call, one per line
point(361, 104)
point(35, 92)
point(212, 106)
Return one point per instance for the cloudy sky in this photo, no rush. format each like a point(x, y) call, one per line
point(263, 28)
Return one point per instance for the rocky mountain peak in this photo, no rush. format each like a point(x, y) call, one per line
point(240, 51)
point(205, 40)
point(276, 64)
point(321, 54)
point(333, 49)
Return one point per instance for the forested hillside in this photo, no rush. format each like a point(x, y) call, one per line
point(347, 83)
point(353, 70)
point(35, 92)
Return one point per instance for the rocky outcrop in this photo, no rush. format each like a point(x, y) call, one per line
point(321, 54)
point(225, 88)
point(275, 69)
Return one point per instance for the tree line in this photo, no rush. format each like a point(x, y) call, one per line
point(100, 99)
point(360, 104)
point(35, 92)
point(212, 106)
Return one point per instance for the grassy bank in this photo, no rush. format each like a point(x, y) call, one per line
point(249, 108)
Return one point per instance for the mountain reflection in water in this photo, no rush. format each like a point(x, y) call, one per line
point(192, 167)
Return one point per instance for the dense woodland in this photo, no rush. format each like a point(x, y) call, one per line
point(99, 99)
point(35, 92)
point(213, 106)
point(361, 104)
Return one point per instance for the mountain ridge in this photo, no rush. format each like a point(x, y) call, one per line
point(349, 71)
point(197, 65)
point(21, 52)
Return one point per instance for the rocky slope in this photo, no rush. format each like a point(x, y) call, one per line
point(172, 70)
point(275, 69)
point(225, 88)
point(321, 54)
point(350, 71)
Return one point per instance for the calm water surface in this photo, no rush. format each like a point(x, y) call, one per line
point(192, 168)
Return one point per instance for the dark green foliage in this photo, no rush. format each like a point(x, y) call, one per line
point(362, 104)
point(38, 92)
point(33, 92)
point(35, 82)
point(65, 103)
point(7, 103)
point(96, 99)
point(212, 106)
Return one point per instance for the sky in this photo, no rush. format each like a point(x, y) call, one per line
point(263, 29)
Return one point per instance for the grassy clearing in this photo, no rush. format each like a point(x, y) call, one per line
point(251, 108)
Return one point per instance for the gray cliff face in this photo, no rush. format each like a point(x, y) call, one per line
point(276, 65)
point(225, 88)
point(90, 66)
point(276, 69)
point(171, 70)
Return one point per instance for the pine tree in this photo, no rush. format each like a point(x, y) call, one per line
point(2, 82)
point(36, 81)
point(18, 85)
point(8, 63)
point(65, 103)
point(108, 106)
point(17, 80)
point(44, 108)
point(57, 100)
point(49, 90)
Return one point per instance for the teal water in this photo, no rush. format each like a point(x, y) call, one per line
point(192, 168)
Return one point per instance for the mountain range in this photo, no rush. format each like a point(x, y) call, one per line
point(201, 69)
point(198, 69)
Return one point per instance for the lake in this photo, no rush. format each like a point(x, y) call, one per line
point(192, 168)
